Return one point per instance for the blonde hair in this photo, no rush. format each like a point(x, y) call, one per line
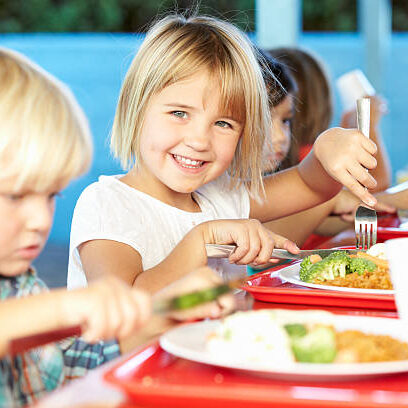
point(44, 135)
point(176, 48)
point(313, 102)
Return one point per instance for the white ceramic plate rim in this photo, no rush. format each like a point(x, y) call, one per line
point(188, 342)
point(291, 274)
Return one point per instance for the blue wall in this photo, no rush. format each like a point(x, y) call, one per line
point(93, 65)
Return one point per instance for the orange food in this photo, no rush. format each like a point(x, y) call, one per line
point(315, 258)
point(356, 347)
point(381, 263)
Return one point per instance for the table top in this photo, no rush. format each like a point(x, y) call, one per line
point(94, 391)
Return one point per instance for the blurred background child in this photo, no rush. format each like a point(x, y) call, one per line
point(190, 111)
point(299, 109)
point(314, 111)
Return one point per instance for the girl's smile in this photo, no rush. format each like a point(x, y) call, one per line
point(187, 140)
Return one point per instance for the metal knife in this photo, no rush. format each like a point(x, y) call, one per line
point(224, 251)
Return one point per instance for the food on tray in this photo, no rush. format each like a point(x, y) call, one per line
point(285, 337)
point(367, 270)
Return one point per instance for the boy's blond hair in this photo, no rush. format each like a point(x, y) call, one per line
point(176, 48)
point(44, 135)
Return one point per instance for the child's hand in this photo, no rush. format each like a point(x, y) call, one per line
point(200, 279)
point(108, 309)
point(346, 205)
point(254, 242)
point(345, 154)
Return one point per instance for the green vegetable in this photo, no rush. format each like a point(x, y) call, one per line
point(317, 346)
point(196, 298)
point(304, 268)
point(295, 330)
point(334, 265)
point(360, 265)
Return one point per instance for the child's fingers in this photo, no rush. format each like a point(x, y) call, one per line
point(384, 207)
point(93, 328)
point(358, 190)
point(243, 244)
point(361, 175)
point(255, 246)
point(135, 309)
point(368, 145)
point(268, 244)
point(227, 304)
point(284, 243)
point(367, 160)
point(144, 305)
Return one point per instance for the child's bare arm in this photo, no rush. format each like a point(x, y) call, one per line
point(339, 156)
point(107, 257)
point(254, 245)
point(309, 221)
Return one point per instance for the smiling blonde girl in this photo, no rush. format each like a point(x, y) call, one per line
point(190, 126)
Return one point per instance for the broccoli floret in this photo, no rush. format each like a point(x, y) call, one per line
point(360, 265)
point(340, 262)
point(304, 268)
point(295, 330)
point(339, 255)
point(317, 346)
point(334, 265)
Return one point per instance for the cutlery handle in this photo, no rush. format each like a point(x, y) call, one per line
point(22, 344)
point(363, 116)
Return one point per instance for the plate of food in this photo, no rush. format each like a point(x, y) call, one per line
point(365, 272)
point(310, 345)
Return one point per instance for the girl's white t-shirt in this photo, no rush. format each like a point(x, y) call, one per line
point(110, 209)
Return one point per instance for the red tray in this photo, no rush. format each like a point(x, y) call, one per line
point(153, 378)
point(385, 233)
point(268, 287)
point(389, 227)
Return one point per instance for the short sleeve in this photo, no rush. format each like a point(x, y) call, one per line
point(103, 211)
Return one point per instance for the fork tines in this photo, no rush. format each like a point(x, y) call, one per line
point(365, 228)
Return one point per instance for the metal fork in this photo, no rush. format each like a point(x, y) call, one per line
point(365, 223)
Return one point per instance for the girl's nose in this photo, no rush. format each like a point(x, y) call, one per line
point(198, 138)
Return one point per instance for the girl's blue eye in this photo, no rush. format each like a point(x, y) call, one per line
point(179, 114)
point(223, 124)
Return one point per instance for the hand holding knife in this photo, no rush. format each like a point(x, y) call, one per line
point(160, 306)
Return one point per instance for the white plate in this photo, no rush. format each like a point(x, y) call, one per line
point(291, 274)
point(188, 342)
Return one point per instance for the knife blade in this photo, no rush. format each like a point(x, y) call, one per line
point(224, 251)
